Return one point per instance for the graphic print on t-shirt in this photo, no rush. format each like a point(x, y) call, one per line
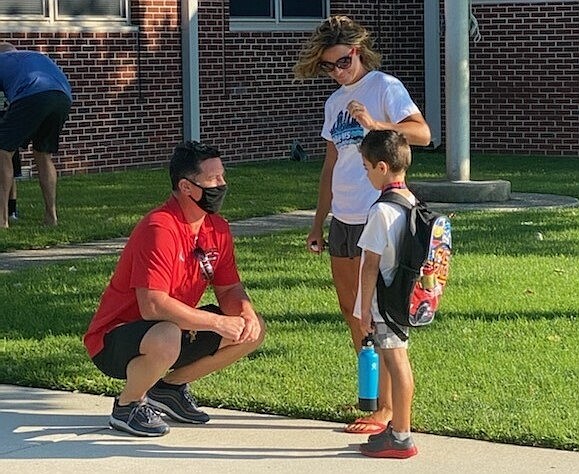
point(346, 130)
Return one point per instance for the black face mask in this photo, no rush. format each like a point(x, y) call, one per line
point(211, 198)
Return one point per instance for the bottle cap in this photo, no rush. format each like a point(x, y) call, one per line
point(368, 341)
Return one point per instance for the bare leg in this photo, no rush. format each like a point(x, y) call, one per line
point(6, 177)
point(12, 206)
point(345, 275)
point(13, 190)
point(402, 387)
point(160, 349)
point(228, 353)
point(47, 177)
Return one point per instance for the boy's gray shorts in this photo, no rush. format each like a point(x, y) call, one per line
point(387, 339)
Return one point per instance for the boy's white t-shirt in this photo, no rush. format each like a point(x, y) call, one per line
point(382, 235)
point(386, 100)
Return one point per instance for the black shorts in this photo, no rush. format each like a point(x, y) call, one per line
point(39, 117)
point(343, 239)
point(122, 345)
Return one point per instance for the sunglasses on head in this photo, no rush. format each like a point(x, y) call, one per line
point(204, 263)
point(342, 63)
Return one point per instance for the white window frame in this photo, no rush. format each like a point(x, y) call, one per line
point(50, 17)
point(278, 23)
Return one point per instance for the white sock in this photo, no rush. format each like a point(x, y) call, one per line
point(401, 436)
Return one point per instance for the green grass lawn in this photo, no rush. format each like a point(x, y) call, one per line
point(500, 363)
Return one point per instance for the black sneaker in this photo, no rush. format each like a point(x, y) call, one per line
point(177, 402)
point(137, 418)
point(385, 445)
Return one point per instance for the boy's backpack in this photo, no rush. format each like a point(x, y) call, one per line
point(412, 298)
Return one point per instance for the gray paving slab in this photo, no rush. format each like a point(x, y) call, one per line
point(62, 432)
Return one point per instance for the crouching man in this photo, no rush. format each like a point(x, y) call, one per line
point(148, 329)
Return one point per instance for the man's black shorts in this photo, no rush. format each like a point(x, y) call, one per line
point(39, 117)
point(122, 346)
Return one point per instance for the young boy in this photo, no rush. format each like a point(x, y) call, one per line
point(386, 155)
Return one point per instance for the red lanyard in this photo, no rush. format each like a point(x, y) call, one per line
point(394, 185)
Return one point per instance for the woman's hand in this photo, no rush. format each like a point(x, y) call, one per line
point(360, 113)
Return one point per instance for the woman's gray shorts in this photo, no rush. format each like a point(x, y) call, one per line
point(343, 239)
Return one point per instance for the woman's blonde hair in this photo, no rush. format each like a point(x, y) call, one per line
point(338, 29)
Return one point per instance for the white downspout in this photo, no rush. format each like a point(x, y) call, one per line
point(432, 99)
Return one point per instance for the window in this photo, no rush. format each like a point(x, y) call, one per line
point(64, 10)
point(277, 14)
point(20, 8)
point(255, 9)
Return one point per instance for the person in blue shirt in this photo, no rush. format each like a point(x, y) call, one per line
point(40, 98)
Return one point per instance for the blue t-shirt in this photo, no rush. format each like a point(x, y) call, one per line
point(24, 73)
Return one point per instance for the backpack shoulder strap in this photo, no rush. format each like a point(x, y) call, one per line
point(396, 198)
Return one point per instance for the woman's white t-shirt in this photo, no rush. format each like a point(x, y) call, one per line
point(386, 100)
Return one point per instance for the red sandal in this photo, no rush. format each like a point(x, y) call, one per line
point(365, 426)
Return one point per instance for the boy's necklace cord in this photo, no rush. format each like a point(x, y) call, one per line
point(394, 185)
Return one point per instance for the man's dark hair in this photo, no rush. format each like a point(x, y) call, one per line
point(186, 160)
point(388, 146)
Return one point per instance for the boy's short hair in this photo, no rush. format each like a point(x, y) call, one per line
point(186, 160)
point(388, 146)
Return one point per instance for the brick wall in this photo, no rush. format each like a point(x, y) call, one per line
point(524, 82)
point(127, 109)
point(251, 106)
point(128, 87)
point(525, 79)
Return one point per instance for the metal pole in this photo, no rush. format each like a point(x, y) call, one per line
point(190, 61)
point(457, 84)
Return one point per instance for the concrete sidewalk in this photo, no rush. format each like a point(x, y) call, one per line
point(51, 431)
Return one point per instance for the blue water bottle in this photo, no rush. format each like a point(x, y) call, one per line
point(368, 374)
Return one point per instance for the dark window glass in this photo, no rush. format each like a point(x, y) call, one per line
point(21, 7)
point(89, 8)
point(303, 8)
point(251, 8)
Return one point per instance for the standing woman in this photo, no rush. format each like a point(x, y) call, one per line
point(367, 99)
